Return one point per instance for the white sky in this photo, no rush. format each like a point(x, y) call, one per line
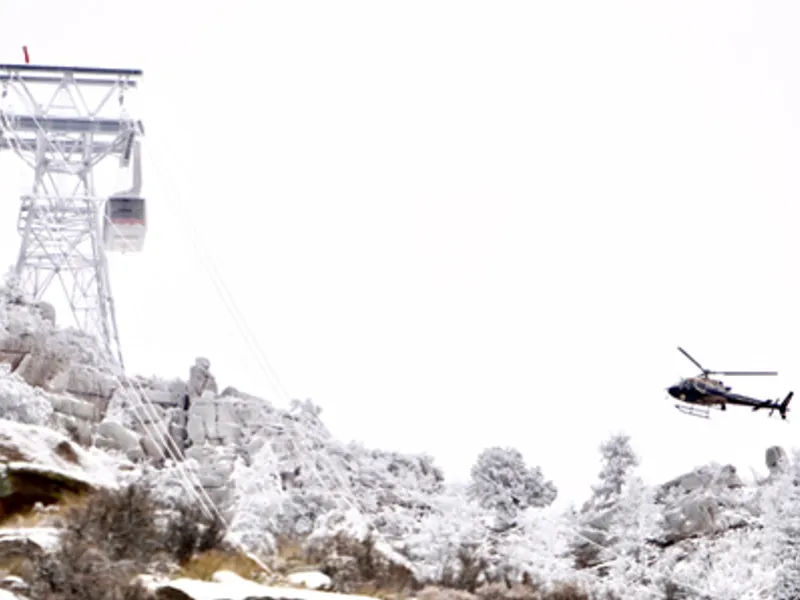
point(462, 224)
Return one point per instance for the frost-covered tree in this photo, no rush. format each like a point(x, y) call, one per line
point(502, 482)
point(536, 549)
point(628, 552)
point(618, 460)
point(782, 524)
point(13, 288)
point(454, 524)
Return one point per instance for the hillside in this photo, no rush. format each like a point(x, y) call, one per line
point(267, 492)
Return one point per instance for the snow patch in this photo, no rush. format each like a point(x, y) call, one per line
point(313, 580)
point(232, 587)
point(47, 538)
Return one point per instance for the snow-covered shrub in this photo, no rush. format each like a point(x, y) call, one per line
point(116, 535)
point(265, 508)
point(536, 549)
point(454, 524)
point(394, 489)
point(355, 556)
point(78, 572)
point(21, 403)
point(257, 500)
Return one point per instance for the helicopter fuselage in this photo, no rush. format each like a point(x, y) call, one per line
point(711, 392)
point(697, 390)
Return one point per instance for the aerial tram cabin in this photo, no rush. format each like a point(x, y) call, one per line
point(125, 215)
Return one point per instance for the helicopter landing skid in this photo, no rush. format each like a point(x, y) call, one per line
point(702, 412)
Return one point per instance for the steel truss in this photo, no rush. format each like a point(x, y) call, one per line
point(46, 121)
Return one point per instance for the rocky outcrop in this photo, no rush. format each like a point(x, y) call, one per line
point(66, 364)
point(159, 420)
point(703, 501)
point(39, 351)
point(80, 393)
point(711, 476)
point(709, 499)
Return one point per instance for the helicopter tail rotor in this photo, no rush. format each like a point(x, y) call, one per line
point(784, 407)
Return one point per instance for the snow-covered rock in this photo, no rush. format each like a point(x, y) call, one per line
point(13, 583)
point(720, 477)
point(40, 465)
point(26, 541)
point(39, 351)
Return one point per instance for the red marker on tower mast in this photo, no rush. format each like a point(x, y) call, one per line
point(25, 52)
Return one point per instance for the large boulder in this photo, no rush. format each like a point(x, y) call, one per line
point(78, 409)
point(776, 459)
point(689, 517)
point(214, 420)
point(706, 500)
point(215, 466)
point(718, 477)
point(114, 436)
point(88, 384)
point(200, 378)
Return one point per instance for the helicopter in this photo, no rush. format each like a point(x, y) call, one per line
point(701, 393)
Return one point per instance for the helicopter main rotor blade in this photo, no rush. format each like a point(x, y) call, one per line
point(742, 372)
point(689, 356)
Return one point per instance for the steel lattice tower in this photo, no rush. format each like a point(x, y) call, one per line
point(62, 122)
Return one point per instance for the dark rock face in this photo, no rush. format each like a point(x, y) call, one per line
point(23, 486)
point(168, 592)
point(775, 459)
